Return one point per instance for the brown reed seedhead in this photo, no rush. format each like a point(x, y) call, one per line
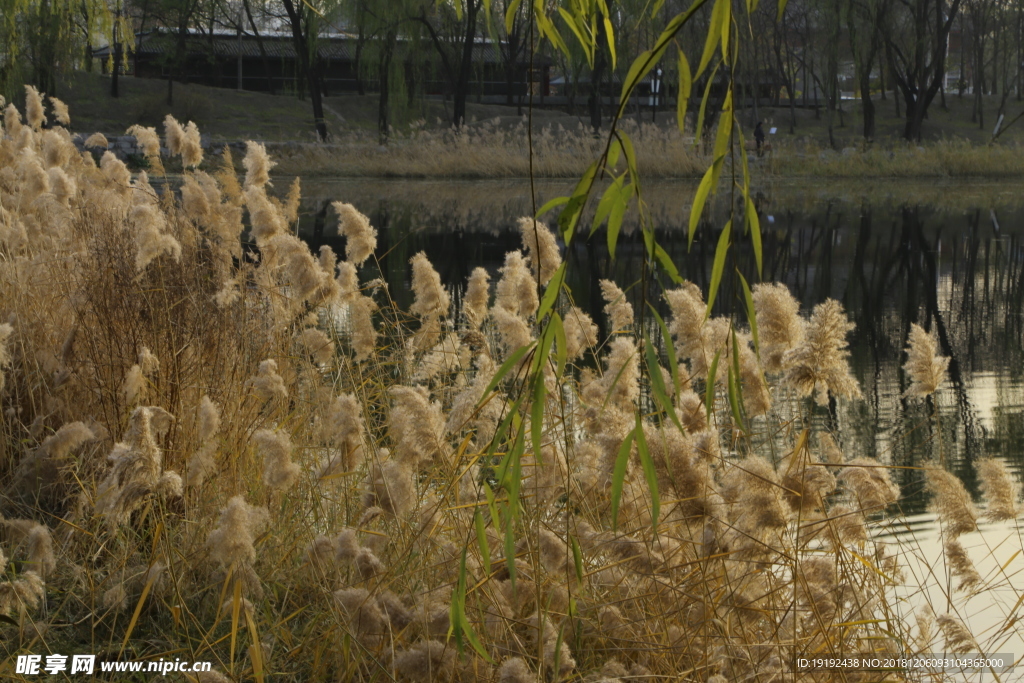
point(959, 639)
point(390, 486)
point(60, 111)
point(478, 294)
point(961, 566)
point(275, 447)
point(691, 411)
point(950, 502)
point(212, 676)
point(999, 488)
point(12, 121)
point(516, 292)
point(6, 330)
point(830, 451)
point(316, 344)
point(346, 546)
point(24, 592)
point(57, 150)
point(364, 334)
point(849, 524)
point(201, 465)
point(753, 489)
point(365, 621)
point(35, 180)
point(136, 471)
point(869, 482)
point(427, 661)
point(925, 369)
point(619, 386)
point(209, 419)
point(34, 108)
point(290, 208)
point(174, 134)
point(617, 308)
point(230, 544)
point(580, 333)
point(819, 365)
point(150, 240)
point(360, 236)
point(807, 483)
point(61, 185)
point(367, 564)
point(268, 383)
point(463, 412)
point(513, 331)
point(95, 141)
point(147, 139)
point(342, 427)
point(257, 165)
point(541, 249)
point(779, 324)
point(416, 425)
point(320, 554)
point(431, 298)
point(117, 173)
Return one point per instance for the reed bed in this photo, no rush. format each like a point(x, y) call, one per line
point(493, 150)
point(490, 149)
point(241, 452)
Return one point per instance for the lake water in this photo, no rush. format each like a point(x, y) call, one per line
point(948, 256)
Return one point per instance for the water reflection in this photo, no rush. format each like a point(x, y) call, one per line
point(950, 258)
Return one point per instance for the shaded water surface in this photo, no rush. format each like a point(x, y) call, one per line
point(948, 257)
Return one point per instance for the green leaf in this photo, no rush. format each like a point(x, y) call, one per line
point(670, 349)
point(718, 18)
point(604, 207)
point(587, 45)
point(557, 201)
point(619, 476)
point(685, 85)
point(505, 368)
point(719, 266)
point(618, 212)
point(510, 553)
point(782, 10)
point(481, 541)
point(537, 416)
point(754, 225)
point(510, 15)
point(734, 401)
point(709, 389)
point(699, 199)
point(652, 477)
point(630, 153)
point(658, 384)
point(726, 27)
point(699, 130)
point(751, 316)
point(609, 33)
point(577, 557)
point(551, 291)
point(666, 262)
point(460, 625)
point(561, 352)
point(614, 150)
point(574, 207)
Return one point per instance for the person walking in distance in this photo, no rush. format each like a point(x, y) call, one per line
point(759, 138)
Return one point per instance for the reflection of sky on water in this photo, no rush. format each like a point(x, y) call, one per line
point(935, 257)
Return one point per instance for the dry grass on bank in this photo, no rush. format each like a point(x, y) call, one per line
point(490, 150)
point(263, 463)
point(956, 158)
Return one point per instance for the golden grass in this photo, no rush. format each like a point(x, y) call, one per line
point(260, 461)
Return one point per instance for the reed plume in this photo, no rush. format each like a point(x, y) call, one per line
point(541, 249)
point(474, 303)
point(999, 488)
point(360, 236)
point(96, 141)
point(779, 324)
point(617, 308)
point(925, 369)
point(60, 111)
point(950, 502)
point(819, 365)
point(279, 472)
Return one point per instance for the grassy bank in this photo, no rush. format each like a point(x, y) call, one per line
point(494, 142)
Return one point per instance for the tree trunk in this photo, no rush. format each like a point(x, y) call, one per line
point(308, 64)
point(465, 70)
point(383, 76)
